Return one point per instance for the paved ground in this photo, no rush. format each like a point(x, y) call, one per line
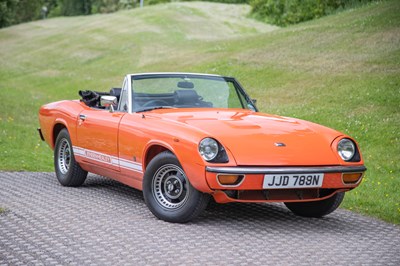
point(106, 223)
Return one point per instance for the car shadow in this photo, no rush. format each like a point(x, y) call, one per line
point(274, 216)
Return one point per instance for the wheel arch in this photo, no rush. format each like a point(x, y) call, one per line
point(195, 172)
point(60, 124)
point(56, 130)
point(153, 150)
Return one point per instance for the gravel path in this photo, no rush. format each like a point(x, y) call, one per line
point(106, 223)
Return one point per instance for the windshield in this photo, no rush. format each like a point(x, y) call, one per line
point(187, 91)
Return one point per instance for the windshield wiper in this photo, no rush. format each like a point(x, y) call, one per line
point(154, 108)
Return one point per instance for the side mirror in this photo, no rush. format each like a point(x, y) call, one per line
point(254, 101)
point(108, 102)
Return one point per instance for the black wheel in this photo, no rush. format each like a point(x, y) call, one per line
point(68, 171)
point(168, 193)
point(316, 208)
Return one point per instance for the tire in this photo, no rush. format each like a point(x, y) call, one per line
point(68, 171)
point(316, 208)
point(168, 193)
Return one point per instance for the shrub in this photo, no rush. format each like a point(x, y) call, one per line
point(76, 7)
point(155, 2)
point(223, 1)
point(285, 12)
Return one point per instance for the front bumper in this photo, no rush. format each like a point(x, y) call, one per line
point(250, 189)
point(286, 170)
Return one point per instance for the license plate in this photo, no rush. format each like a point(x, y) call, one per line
point(293, 181)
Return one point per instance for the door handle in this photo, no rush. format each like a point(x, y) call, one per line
point(82, 117)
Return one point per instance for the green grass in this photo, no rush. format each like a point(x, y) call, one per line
point(342, 71)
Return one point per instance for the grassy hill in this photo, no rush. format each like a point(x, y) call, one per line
point(342, 71)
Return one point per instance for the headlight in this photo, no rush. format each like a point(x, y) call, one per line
point(212, 151)
point(346, 149)
point(208, 149)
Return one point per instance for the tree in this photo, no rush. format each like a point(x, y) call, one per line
point(18, 11)
point(28, 10)
point(76, 7)
point(7, 12)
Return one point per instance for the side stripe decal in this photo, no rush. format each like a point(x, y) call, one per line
point(107, 159)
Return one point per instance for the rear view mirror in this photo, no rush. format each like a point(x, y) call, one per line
point(185, 85)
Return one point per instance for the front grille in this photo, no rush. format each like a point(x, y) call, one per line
point(279, 194)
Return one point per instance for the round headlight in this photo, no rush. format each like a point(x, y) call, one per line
point(346, 149)
point(208, 149)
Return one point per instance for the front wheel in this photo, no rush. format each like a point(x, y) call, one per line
point(168, 193)
point(68, 171)
point(316, 208)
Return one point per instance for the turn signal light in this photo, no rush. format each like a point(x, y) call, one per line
point(352, 178)
point(230, 180)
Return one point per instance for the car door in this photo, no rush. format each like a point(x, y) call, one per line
point(97, 137)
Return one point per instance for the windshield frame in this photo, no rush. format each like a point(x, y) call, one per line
point(132, 77)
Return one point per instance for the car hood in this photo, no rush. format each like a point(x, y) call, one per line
point(256, 139)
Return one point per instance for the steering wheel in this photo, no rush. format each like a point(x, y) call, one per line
point(156, 103)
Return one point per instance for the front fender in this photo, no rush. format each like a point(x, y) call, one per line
point(191, 162)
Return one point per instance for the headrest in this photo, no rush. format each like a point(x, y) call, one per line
point(115, 92)
point(186, 96)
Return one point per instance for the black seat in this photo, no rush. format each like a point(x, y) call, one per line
point(115, 92)
point(186, 97)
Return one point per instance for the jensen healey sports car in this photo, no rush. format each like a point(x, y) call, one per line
point(182, 138)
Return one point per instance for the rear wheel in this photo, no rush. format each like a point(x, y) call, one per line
point(168, 193)
point(316, 208)
point(68, 171)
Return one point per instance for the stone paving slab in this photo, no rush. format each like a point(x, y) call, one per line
point(106, 223)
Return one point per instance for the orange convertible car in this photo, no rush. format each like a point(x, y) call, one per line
point(181, 137)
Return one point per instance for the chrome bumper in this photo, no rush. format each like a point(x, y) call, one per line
point(285, 170)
